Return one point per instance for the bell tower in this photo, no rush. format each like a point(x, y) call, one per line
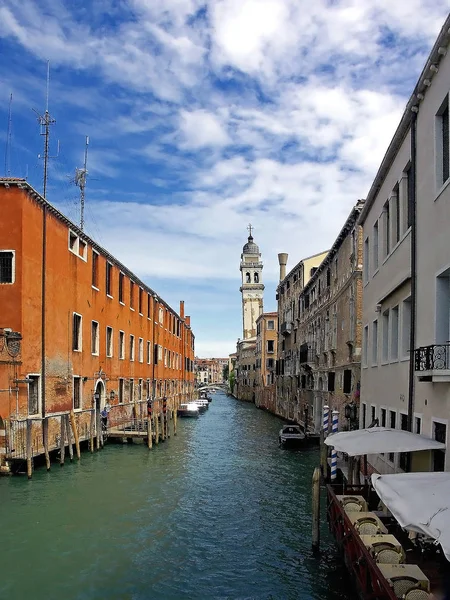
point(252, 287)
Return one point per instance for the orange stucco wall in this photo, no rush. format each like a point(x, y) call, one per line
point(69, 290)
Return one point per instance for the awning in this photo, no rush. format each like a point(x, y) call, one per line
point(380, 439)
point(419, 502)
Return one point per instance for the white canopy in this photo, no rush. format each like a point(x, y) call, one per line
point(419, 502)
point(380, 439)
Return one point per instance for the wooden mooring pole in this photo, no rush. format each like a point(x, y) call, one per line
point(45, 442)
point(175, 416)
point(92, 427)
point(149, 433)
point(323, 455)
point(99, 428)
point(29, 448)
point(316, 510)
point(69, 436)
point(62, 445)
point(75, 434)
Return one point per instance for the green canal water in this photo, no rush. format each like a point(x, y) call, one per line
point(217, 512)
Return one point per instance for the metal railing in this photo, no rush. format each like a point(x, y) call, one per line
point(432, 358)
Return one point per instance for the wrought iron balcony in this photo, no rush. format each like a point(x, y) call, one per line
point(286, 328)
point(432, 363)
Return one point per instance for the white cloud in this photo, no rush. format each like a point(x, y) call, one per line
point(200, 128)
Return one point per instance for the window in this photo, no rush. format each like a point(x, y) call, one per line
point(34, 395)
point(440, 435)
point(347, 382)
point(121, 281)
point(108, 288)
point(73, 242)
point(270, 324)
point(442, 144)
point(131, 390)
point(268, 379)
point(141, 296)
point(132, 295)
point(76, 333)
point(95, 269)
point(387, 229)
point(95, 338)
point(418, 425)
point(149, 352)
point(7, 271)
point(76, 393)
point(392, 423)
point(385, 349)
point(141, 350)
point(375, 343)
point(365, 345)
point(331, 381)
point(394, 333)
point(148, 306)
point(140, 389)
point(270, 346)
point(403, 457)
point(375, 247)
point(82, 249)
point(366, 260)
point(121, 345)
point(373, 415)
point(121, 386)
point(395, 214)
point(383, 417)
point(131, 347)
point(442, 308)
point(109, 341)
point(269, 363)
point(406, 326)
point(363, 415)
point(410, 196)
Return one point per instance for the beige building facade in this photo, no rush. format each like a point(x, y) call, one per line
point(406, 316)
point(266, 355)
point(327, 353)
point(288, 294)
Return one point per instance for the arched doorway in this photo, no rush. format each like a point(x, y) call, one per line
point(99, 395)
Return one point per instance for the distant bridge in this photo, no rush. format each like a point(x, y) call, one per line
point(209, 386)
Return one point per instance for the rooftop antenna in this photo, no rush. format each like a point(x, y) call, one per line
point(8, 141)
point(45, 121)
point(80, 181)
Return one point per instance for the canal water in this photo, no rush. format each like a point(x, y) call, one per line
point(217, 512)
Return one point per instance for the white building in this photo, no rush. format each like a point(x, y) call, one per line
point(252, 287)
point(406, 300)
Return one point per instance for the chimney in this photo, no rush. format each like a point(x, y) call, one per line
point(282, 259)
point(181, 309)
point(188, 321)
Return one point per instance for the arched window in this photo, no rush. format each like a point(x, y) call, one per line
point(256, 278)
point(247, 278)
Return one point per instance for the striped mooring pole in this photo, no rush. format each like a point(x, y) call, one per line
point(334, 429)
point(326, 414)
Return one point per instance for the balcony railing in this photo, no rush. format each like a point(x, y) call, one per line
point(432, 358)
point(434, 361)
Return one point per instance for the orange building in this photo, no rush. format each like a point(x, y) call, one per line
point(78, 330)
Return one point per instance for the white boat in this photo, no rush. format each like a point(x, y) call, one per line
point(202, 404)
point(292, 435)
point(190, 409)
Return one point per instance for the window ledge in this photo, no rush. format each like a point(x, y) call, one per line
point(95, 288)
point(122, 303)
point(443, 187)
point(76, 350)
point(77, 410)
point(109, 296)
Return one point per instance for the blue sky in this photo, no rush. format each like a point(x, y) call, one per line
point(204, 116)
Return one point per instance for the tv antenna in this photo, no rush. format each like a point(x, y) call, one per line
point(45, 121)
point(8, 141)
point(80, 181)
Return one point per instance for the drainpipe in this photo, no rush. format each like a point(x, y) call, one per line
point(412, 206)
point(43, 303)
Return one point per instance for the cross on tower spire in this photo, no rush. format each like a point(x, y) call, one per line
point(250, 228)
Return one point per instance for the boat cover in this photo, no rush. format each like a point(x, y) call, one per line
point(419, 502)
point(374, 440)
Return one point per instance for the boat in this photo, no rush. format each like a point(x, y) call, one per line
point(204, 396)
point(202, 404)
point(190, 409)
point(393, 531)
point(291, 435)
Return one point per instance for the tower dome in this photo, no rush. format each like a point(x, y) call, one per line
point(250, 247)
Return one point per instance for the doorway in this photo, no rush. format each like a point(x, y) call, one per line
point(99, 395)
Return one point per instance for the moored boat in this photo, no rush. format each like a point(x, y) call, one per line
point(189, 409)
point(291, 435)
